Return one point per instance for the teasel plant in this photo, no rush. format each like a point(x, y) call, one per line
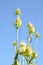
point(25, 50)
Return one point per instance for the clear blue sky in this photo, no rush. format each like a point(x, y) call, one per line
point(32, 10)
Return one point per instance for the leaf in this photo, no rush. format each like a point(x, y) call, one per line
point(16, 57)
point(30, 60)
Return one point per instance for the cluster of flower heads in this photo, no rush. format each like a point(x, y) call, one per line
point(24, 49)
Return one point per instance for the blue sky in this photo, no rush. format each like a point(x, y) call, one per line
point(32, 10)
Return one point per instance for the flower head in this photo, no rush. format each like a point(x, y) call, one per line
point(35, 54)
point(31, 30)
point(18, 23)
point(28, 51)
point(18, 11)
point(22, 48)
point(14, 43)
point(37, 35)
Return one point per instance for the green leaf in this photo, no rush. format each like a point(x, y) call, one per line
point(16, 57)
